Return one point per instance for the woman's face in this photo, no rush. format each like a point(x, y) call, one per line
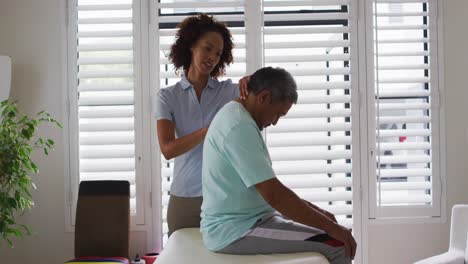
point(206, 53)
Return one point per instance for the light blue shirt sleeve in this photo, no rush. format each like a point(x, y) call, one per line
point(246, 150)
point(163, 103)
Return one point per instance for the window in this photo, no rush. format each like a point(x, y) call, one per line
point(404, 119)
point(104, 102)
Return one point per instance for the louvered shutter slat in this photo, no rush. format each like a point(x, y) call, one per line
point(106, 98)
point(123, 111)
point(398, 198)
point(404, 119)
point(97, 87)
point(106, 124)
point(105, 47)
point(200, 4)
point(307, 58)
point(305, 3)
point(111, 20)
point(304, 139)
point(406, 186)
point(107, 138)
point(408, 146)
point(404, 172)
point(407, 27)
point(105, 74)
point(404, 159)
point(105, 60)
point(307, 44)
point(404, 80)
point(308, 85)
point(404, 93)
point(105, 34)
point(119, 176)
point(295, 30)
point(308, 113)
point(112, 151)
point(300, 125)
point(403, 132)
point(401, 14)
point(301, 167)
point(302, 17)
point(104, 7)
point(306, 153)
point(404, 106)
point(178, 19)
point(98, 165)
point(299, 182)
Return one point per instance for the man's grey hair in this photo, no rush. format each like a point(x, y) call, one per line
point(278, 81)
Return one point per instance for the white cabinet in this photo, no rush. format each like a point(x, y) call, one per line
point(5, 77)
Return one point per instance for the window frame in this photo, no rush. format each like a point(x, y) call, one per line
point(142, 220)
point(407, 214)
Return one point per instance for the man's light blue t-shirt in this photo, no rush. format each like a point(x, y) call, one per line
point(235, 158)
point(179, 104)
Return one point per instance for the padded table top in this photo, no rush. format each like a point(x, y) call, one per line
point(186, 246)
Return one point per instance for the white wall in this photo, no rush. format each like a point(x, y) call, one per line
point(31, 33)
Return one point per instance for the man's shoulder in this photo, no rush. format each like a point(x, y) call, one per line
point(233, 114)
point(229, 119)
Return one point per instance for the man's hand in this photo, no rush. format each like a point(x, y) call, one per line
point(325, 212)
point(342, 234)
point(328, 214)
point(243, 91)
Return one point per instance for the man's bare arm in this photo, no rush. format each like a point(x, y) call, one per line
point(290, 205)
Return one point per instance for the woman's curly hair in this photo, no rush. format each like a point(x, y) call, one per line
point(190, 30)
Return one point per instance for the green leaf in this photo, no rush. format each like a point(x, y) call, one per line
point(26, 229)
point(16, 148)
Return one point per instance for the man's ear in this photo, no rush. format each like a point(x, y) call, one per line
point(263, 96)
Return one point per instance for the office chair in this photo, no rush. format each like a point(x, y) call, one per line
point(102, 219)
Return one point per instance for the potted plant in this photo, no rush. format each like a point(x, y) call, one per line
point(17, 144)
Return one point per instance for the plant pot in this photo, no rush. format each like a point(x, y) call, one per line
point(5, 77)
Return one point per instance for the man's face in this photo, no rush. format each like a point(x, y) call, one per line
point(270, 112)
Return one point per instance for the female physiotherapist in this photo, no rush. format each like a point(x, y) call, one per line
point(202, 49)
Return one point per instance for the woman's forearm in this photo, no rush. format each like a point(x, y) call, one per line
point(177, 146)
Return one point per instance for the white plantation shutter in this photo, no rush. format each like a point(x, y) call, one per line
point(105, 92)
point(172, 13)
point(405, 154)
point(311, 147)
